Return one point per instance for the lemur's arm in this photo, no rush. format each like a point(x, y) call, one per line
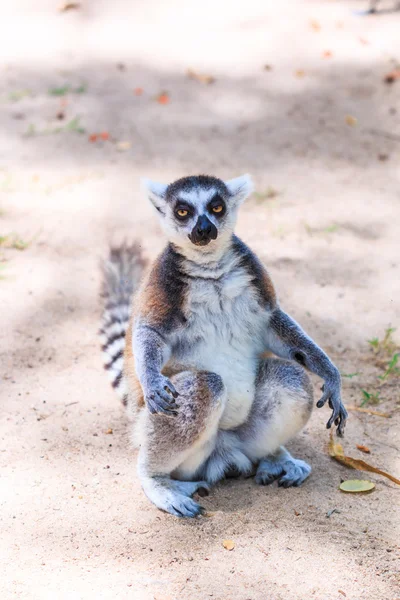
point(158, 314)
point(286, 339)
point(151, 351)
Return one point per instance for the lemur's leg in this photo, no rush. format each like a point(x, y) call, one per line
point(173, 448)
point(282, 406)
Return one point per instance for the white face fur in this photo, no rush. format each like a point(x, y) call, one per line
point(199, 213)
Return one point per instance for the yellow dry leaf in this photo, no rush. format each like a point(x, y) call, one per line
point(356, 486)
point(335, 448)
point(201, 77)
point(109, 431)
point(299, 73)
point(122, 146)
point(228, 544)
point(350, 120)
point(315, 25)
point(336, 451)
point(364, 449)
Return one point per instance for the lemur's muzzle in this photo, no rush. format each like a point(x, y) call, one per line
point(203, 232)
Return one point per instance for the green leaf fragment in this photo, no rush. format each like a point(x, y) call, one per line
point(356, 486)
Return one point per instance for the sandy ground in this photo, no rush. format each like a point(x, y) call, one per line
point(319, 130)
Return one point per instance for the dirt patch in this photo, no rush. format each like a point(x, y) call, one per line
point(75, 523)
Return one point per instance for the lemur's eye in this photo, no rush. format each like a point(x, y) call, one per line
point(217, 209)
point(182, 213)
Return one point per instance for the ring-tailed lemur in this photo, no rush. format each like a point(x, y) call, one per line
point(192, 368)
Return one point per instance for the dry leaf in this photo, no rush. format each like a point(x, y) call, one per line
point(228, 544)
point(163, 98)
point(356, 486)
point(299, 73)
point(364, 449)
point(105, 135)
point(109, 431)
point(351, 120)
point(93, 137)
point(69, 6)
point(122, 146)
point(315, 25)
point(327, 54)
point(336, 451)
point(138, 91)
point(343, 593)
point(392, 76)
point(369, 411)
point(201, 77)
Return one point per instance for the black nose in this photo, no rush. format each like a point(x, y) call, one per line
point(203, 227)
point(203, 232)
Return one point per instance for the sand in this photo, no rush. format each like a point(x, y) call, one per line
point(300, 102)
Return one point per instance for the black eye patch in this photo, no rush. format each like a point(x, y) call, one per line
point(217, 206)
point(183, 211)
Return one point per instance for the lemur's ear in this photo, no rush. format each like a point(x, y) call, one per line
point(240, 188)
point(155, 192)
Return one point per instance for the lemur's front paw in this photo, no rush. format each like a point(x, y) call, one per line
point(331, 393)
point(160, 397)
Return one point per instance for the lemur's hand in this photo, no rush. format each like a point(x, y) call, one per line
point(160, 397)
point(331, 392)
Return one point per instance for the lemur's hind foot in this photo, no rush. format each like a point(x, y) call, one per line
point(175, 497)
point(284, 468)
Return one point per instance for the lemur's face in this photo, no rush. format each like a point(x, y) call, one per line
point(199, 210)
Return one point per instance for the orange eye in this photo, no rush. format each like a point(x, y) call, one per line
point(217, 209)
point(182, 212)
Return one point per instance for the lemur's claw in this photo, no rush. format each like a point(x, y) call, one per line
point(171, 390)
point(331, 394)
point(160, 400)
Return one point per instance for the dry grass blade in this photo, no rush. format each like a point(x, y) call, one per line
point(201, 77)
point(69, 6)
point(368, 411)
point(336, 452)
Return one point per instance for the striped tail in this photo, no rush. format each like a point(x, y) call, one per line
point(121, 271)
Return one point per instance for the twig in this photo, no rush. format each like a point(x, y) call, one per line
point(368, 411)
point(385, 134)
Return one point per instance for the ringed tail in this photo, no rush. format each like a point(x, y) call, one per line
point(121, 274)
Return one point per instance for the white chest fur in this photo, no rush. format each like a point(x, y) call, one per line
point(224, 334)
